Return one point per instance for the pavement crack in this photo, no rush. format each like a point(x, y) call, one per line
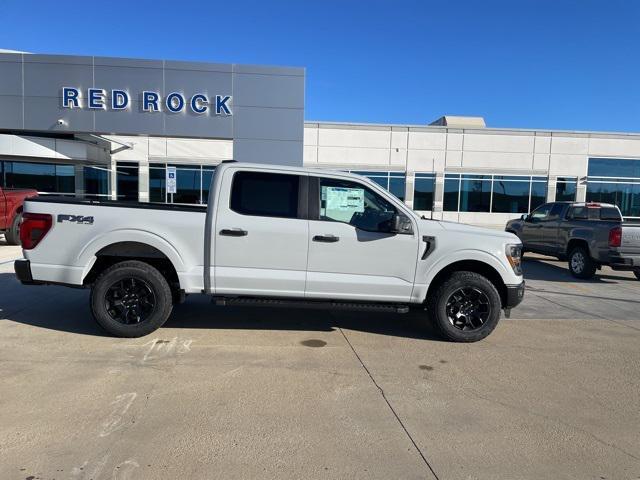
point(395, 414)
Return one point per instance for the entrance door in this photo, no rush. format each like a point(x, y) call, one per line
point(352, 255)
point(261, 236)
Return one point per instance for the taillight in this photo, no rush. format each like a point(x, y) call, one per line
point(33, 228)
point(615, 237)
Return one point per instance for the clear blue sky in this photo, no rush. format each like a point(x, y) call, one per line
point(562, 64)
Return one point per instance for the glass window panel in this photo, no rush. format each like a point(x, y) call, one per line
point(397, 186)
point(625, 196)
point(566, 191)
point(613, 167)
point(127, 181)
point(65, 179)
point(451, 190)
point(187, 186)
point(539, 179)
point(207, 175)
point(265, 194)
point(355, 204)
point(157, 184)
point(96, 182)
point(475, 195)
point(538, 194)
point(44, 177)
point(514, 178)
point(476, 177)
point(510, 196)
point(423, 189)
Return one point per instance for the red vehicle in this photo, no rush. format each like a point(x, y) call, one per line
point(11, 212)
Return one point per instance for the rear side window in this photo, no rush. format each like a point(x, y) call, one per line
point(610, 213)
point(265, 194)
point(578, 213)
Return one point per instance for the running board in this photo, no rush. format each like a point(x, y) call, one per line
point(295, 303)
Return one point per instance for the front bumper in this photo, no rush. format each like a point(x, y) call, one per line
point(515, 295)
point(22, 268)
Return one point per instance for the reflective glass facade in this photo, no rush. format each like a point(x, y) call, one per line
point(566, 189)
point(616, 181)
point(96, 183)
point(493, 193)
point(192, 187)
point(423, 190)
point(48, 178)
point(127, 181)
point(395, 182)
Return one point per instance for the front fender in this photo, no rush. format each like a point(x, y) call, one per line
point(87, 255)
point(508, 277)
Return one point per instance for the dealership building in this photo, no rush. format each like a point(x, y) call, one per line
point(110, 128)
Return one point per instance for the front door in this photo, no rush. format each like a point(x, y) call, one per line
point(532, 237)
point(261, 236)
point(352, 255)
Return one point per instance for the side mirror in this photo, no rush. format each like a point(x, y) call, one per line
point(400, 224)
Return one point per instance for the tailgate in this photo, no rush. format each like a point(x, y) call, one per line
point(630, 244)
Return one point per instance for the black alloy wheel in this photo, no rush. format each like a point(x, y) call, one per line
point(130, 300)
point(468, 308)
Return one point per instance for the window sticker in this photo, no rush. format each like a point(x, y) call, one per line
point(342, 199)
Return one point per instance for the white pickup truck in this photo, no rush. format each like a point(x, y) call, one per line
point(272, 235)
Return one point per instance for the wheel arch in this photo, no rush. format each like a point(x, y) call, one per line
point(477, 266)
point(131, 250)
point(577, 242)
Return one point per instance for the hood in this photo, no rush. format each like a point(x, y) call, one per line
point(473, 230)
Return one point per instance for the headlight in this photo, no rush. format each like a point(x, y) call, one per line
point(514, 256)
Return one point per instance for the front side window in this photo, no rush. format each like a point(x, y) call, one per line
point(265, 194)
point(541, 213)
point(353, 203)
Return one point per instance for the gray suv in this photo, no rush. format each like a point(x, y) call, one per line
point(588, 235)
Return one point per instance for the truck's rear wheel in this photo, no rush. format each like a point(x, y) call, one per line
point(466, 307)
point(131, 299)
point(12, 236)
point(580, 263)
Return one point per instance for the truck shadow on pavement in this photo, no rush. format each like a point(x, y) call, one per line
point(67, 310)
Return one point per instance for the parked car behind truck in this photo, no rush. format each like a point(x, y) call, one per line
point(588, 235)
point(273, 236)
point(11, 201)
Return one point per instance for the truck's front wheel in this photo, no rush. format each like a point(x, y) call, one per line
point(131, 299)
point(465, 307)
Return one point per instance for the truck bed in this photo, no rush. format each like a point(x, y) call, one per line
point(82, 227)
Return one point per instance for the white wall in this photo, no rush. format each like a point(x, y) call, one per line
point(438, 149)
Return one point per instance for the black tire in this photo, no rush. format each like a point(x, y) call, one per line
point(581, 265)
point(636, 272)
point(12, 236)
point(443, 302)
point(131, 299)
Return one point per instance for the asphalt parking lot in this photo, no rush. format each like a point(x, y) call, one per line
point(269, 393)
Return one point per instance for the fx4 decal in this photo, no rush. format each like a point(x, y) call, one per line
point(75, 219)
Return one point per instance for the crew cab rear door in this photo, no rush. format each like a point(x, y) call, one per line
point(261, 234)
point(351, 256)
